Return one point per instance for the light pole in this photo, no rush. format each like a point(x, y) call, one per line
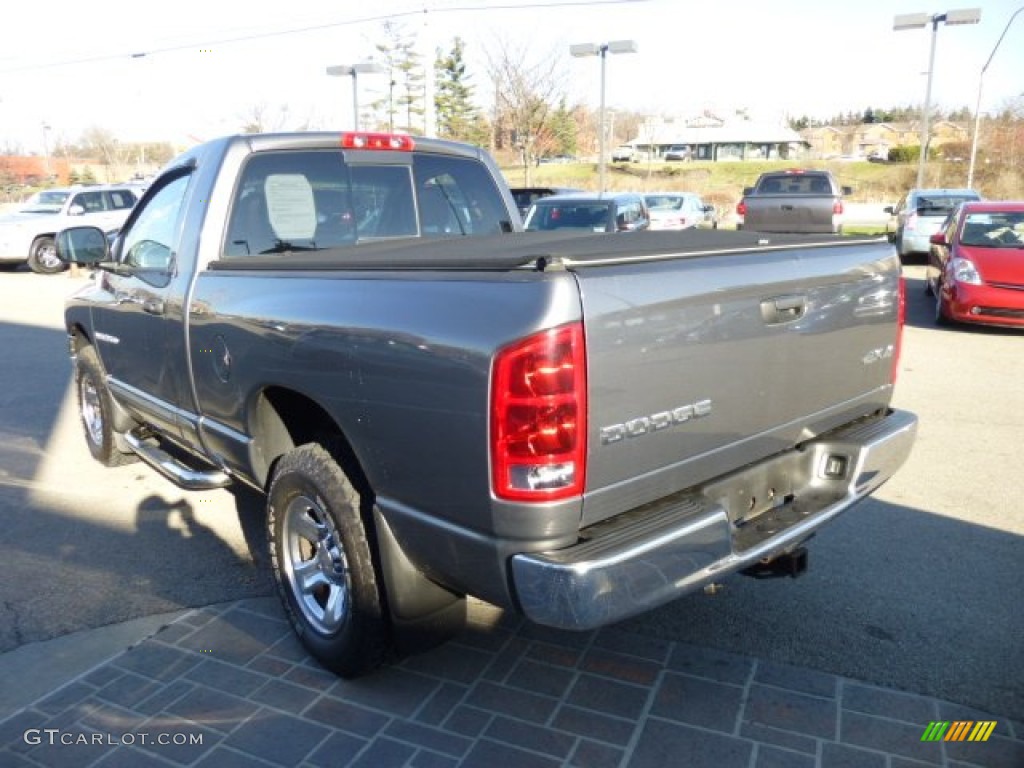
point(359, 68)
point(977, 107)
point(46, 152)
point(602, 49)
point(919, 21)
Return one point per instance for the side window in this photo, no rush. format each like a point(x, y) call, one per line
point(90, 202)
point(457, 196)
point(149, 243)
point(121, 199)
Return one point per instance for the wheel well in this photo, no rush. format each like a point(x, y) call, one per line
point(284, 419)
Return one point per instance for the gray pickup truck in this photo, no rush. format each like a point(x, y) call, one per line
point(793, 201)
point(577, 427)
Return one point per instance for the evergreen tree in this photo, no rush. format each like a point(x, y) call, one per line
point(457, 116)
point(403, 106)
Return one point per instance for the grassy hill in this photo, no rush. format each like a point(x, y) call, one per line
point(722, 183)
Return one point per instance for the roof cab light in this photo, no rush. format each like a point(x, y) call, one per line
point(539, 417)
point(378, 141)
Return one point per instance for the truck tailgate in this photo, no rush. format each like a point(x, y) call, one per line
point(709, 361)
point(790, 213)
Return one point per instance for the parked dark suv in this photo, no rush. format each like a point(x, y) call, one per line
point(610, 212)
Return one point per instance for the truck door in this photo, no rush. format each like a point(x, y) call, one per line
point(137, 325)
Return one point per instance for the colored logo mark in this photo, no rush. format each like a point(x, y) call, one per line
point(958, 730)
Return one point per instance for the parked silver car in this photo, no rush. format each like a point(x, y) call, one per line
point(680, 210)
point(920, 214)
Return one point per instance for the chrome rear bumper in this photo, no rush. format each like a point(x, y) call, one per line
point(650, 556)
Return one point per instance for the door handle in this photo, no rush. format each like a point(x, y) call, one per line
point(783, 309)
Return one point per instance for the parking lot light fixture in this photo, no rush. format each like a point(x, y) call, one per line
point(580, 50)
point(919, 21)
point(354, 70)
point(977, 107)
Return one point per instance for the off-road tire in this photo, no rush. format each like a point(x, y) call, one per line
point(324, 563)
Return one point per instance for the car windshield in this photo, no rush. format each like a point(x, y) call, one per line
point(47, 201)
point(1003, 229)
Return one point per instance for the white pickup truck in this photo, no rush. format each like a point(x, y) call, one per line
point(28, 233)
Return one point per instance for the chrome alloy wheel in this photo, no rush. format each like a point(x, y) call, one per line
point(47, 257)
point(92, 412)
point(315, 566)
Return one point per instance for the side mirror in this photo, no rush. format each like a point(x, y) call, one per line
point(747, 190)
point(76, 210)
point(85, 246)
point(847, 190)
point(939, 238)
point(889, 209)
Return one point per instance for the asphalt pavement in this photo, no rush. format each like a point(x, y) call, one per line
point(140, 628)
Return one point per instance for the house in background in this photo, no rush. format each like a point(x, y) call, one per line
point(867, 139)
point(710, 137)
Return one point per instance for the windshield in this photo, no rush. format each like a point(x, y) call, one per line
point(994, 230)
point(47, 201)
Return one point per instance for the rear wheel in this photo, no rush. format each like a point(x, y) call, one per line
point(324, 564)
point(42, 257)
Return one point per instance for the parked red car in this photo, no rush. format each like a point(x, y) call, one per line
point(976, 265)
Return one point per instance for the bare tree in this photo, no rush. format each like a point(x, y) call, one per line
point(528, 93)
point(262, 118)
point(105, 147)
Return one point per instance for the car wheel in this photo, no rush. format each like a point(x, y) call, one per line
point(42, 258)
point(323, 563)
point(96, 410)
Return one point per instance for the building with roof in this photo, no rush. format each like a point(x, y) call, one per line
point(710, 137)
point(867, 139)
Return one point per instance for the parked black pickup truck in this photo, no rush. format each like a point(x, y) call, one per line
point(578, 427)
point(793, 201)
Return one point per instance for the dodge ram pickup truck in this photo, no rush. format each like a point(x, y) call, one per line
point(575, 426)
point(793, 201)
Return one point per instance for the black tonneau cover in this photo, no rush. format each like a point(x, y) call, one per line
point(535, 250)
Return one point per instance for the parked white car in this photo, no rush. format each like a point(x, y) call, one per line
point(29, 233)
point(680, 210)
point(623, 153)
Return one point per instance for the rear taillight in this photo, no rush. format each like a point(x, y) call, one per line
point(901, 320)
point(837, 207)
point(539, 417)
point(741, 208)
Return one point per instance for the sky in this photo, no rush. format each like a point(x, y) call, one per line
point(191, 70)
